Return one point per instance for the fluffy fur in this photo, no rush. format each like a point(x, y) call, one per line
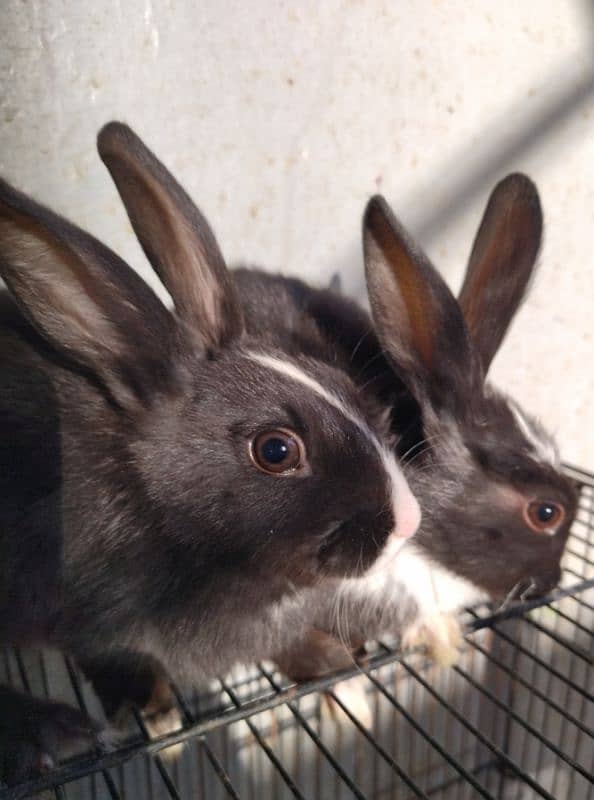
point(474, 459)
point(133, 520)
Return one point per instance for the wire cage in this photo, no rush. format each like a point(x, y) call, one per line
point(513, 720)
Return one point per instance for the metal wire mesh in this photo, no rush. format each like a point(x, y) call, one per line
point(513, 720)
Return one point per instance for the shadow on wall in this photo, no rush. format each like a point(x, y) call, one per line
point(502, 144)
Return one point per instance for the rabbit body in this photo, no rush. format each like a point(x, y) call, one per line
point(168, 478)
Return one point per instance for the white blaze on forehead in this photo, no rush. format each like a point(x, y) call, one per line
point(295, 373)
point(405, 507)
point(541, 443)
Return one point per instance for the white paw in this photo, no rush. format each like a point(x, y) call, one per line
point(439, 634)
point(160, 724)
point(352, 694)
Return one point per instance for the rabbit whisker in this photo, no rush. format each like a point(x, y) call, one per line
point(420, 444)
point(373, 378)
point(359, 343)
point(438, 465)
point(371, 360)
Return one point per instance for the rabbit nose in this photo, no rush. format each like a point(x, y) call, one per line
point(408, 516)
point(405, 507)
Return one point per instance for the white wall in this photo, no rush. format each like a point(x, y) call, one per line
point(283, 117)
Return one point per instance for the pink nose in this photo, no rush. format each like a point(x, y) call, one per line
point(408, 521)
point(408, 512)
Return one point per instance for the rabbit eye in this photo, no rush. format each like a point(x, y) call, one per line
point(277, 452)
point(542, 516)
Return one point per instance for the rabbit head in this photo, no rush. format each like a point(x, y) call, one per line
point(496, 507)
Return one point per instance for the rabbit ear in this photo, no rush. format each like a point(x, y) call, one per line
point(501, 263)
point(84, 299)
point(174, 235)
point(335, 284)
point(418, 320)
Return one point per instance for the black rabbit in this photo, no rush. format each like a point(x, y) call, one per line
point(167, 477)
point(496, 507)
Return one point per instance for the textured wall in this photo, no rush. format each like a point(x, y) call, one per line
point(282, 118)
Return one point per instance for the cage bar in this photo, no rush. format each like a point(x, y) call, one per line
point(514, 720)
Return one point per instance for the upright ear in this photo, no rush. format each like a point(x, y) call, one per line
point(335, 284)
point(501, 263)
point(83, 299)
point(174, 235)
point(418, 320)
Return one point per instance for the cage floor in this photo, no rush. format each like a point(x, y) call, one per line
point(513, 720)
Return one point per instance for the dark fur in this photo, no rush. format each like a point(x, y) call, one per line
point(132, 519)
point(463, 527)
point(466, 451)
point(489, 545)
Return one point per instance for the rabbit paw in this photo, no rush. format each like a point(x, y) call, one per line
point(135, 682)
point(34, 733)
point(352, 695)
point(161, 717)
point(439, 634)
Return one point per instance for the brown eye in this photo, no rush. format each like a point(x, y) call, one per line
point(542, 516)
point(277, 452)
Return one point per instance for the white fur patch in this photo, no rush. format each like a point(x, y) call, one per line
point(406, 508)
point(295, 373)
point(440, 634)
point(413, 575)
point(162, 724)
point(352, 694)
point(542, 444)
point(433, 587)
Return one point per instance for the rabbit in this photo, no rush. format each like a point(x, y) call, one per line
point(169, 478)
point(496, 508)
